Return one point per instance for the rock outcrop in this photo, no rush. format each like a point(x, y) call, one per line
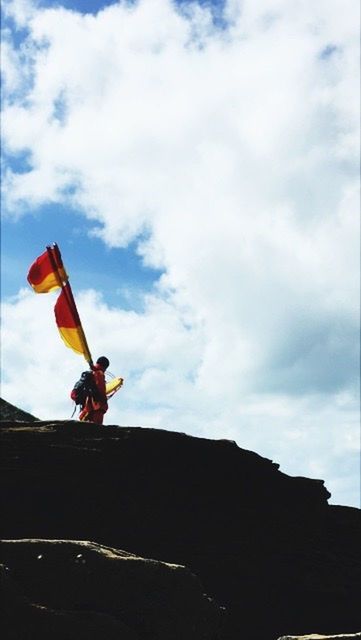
point(9, 412)
point(316, 636)
point(57, 589)
point(266, 546)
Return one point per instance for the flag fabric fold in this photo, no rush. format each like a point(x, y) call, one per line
point(45, 274)
point(69, 325)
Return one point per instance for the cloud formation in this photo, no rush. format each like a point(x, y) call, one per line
point(230, 154)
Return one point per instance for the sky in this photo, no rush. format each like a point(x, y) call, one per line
point(198, 166)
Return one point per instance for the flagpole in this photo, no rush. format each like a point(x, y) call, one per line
point(57, 264)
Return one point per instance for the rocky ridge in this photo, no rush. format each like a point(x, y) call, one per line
point(267, 548)
point(9, 412)
point(316, 636)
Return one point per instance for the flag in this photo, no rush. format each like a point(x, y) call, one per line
point(45, 274)
point(69, 325)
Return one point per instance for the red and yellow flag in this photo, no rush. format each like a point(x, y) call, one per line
point(69, 325)
point(45, 274)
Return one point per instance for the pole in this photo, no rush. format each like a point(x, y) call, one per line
point(57, 263)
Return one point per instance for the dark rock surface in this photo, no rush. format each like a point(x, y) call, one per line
point(316, 636)
point(265, 545)
point(65, 589)
point(9, 412)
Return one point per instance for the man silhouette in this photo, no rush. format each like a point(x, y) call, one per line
point(96, 404)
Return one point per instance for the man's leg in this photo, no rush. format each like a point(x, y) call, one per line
point(96, 416)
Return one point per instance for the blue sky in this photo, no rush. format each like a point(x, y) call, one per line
point(89, 262)
point(94, 264)
point(198, 166)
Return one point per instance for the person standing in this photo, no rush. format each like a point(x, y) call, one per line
point(96, 404)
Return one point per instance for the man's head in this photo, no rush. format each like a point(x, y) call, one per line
point(103, 362)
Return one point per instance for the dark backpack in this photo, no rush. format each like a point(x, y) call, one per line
point(84, 388)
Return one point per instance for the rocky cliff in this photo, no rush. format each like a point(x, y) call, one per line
point(274, 557)
point(88, 591)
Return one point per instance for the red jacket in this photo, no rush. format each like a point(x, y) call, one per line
point(99, 378)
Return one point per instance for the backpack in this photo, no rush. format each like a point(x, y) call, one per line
point(84, 388)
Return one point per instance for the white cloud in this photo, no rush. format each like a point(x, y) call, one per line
point(236, 151)
point(159, 357)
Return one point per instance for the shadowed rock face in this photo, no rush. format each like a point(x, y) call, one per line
point(90, 591)
point(265, 545)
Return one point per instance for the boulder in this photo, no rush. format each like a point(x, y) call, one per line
point(91, 591)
